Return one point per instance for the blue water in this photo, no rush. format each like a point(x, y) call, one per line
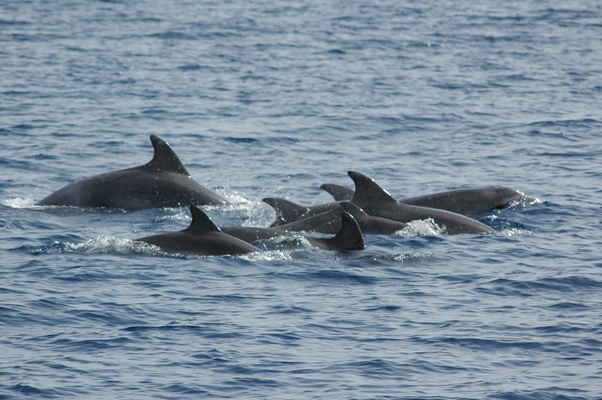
point(272, 99)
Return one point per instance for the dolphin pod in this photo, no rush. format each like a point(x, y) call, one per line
point(369, 209)
point(204, 238)
point(163, 182)
point(466, 202)
point(376, 202)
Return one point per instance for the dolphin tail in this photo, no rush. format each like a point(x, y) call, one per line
point(165, 159)
point(338, 192)
point(348, 238)
point(286, 210)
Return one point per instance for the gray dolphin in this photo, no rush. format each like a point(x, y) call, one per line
point(338, 192)
point(376, 201)
point(469, 202)
point(288, 211)
point(202, 238)
point(348, 238)
point(163, 182)
point(370, 223)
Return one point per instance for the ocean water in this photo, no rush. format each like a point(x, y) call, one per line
point(271, 99)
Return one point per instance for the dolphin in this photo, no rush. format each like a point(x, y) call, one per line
point(370, 223)
point(348, 235)
point(202, 238)
point(469, 202)
point(163, 182)
point(288, 211)
point(329, 221)
point(376, 201)
point(338, 192)
point(348, 238)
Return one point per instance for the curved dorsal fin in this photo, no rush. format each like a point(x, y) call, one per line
point(349, 236)
point(353, 209)
point(201, 221)
point(286, 210)
point(338, 192)
point(165, 159)
point(367, 192)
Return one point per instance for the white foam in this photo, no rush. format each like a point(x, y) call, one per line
point(103, 244)
point(426, 227)
point(515, 232)
point(19, 202)
point(412, 256)
point(270, 255)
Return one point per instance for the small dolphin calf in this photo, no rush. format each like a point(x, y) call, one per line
point(201, 238)
point(163, 182)
point(376, 201)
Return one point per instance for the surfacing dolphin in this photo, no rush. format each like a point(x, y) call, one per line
point(469, 202)
point(376, 201)
point(201, 238)
point(163, 182)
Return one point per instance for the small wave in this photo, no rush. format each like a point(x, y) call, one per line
point(514, 232)
point(19, 202)
point(179, 215)
point(101, 244)
point(412, 256)
point(340, 277)
point(426, 227)
point(271, 255)
point(111, 244)
point(105, 244)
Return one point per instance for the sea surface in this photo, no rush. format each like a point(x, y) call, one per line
point(272, 99)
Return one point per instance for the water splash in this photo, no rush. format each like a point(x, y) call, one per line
point(426, 227)
point(19, 202)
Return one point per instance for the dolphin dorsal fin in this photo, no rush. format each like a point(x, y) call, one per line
point(367, 192)
point(201, 221)
point(338, 192)
point(165, 159)
point(349, 236)
point(353, 209)
point(286, 210)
